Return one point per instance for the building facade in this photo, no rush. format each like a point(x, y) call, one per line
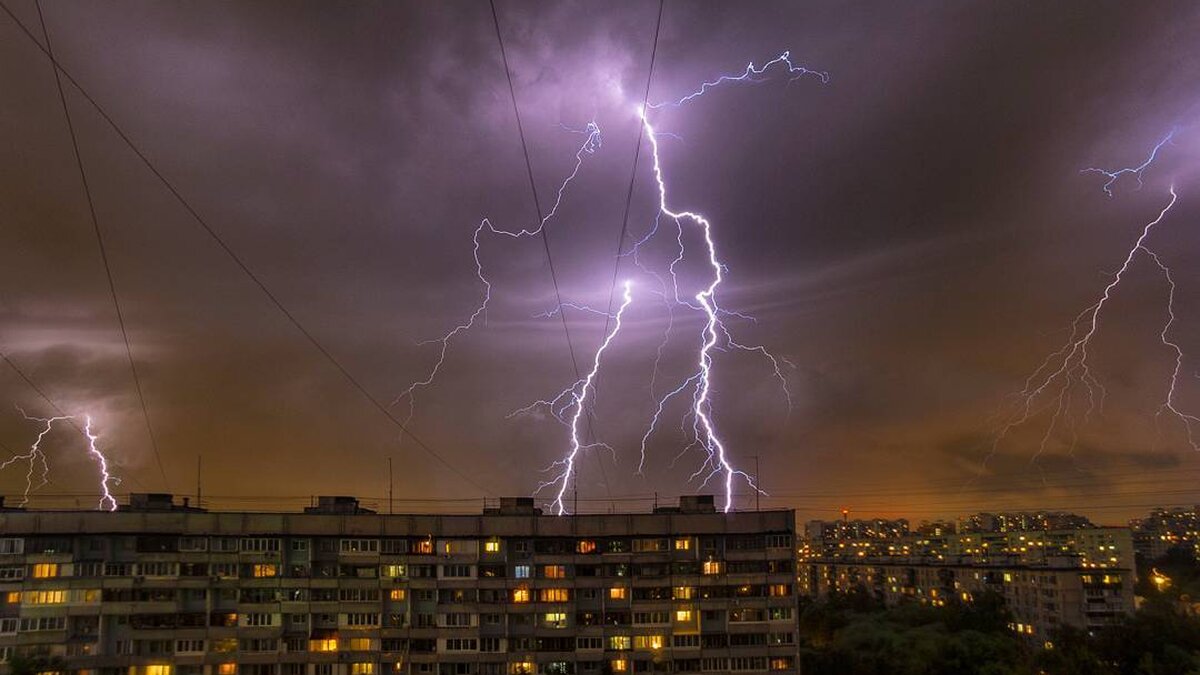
point(157, 589)
point(1041, 597)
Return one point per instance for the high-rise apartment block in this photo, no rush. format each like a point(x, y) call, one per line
point(160, 589)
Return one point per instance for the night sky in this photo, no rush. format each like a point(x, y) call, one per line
point(915, 236)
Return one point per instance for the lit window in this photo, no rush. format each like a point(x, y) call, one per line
point(521, 571)
point(522, 668)
point(266, 571)
point(323, 645)
point(713, 567)
point(554, 595)
point(555, 620)
point(555, 571)
point(683, 615)
point(683, 592)
point(424, 547)
point(227, 669)
point(585, 546)
point(780, 590)
point(683, 544)
point(398, 594)
point(362, 669)
point(620, 642)
point(492, 546)
point(648, 642)
point(45, 570)
point(781, 663)
point(157, 669)
point(45, 597)
point(619, 665)
point(359, 645)
point(520, 595)
point(12, 597)
point(392, 571)
point(618, 593)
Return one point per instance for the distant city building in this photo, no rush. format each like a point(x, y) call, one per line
point(1023, 522)
point(159, 589)
point(1040, 597)
point(1080, 576)
point(1166, 529)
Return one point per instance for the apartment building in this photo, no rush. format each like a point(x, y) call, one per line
point(1041, 597)
point(161, 589)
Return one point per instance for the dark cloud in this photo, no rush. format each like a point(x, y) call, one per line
point(913, 236)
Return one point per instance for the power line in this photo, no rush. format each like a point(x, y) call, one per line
point(241, 264)
point(545, 237)
point(112, 287)
point(637, 153)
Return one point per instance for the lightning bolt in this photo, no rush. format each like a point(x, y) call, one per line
point(1136, 171)
point(570, 404)
point(106, 499)
point(589, 146)
point(39, 464)
point(1050, 386)
point(715, 334)
point(747, 75)
point(579, 396)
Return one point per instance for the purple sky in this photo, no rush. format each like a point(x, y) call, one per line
point(915, 236)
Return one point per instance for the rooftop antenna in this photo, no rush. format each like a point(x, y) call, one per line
point(757, 487)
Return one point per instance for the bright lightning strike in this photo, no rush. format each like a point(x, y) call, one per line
point(579, 401)
point(1067, 370)
point(1136, 171)
point(590, 144)
point(715, 334)
point(572, 403)
point(39, 464)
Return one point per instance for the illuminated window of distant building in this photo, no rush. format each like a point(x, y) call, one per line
point(713, 567)
point(362, 669)
point(398, 594)
point(648, 642)
point(491, 546)
point(520, 595)
point(683, 592)
point(554, 595)
point(157, 669)
point(585, 546)
point(45, 597)
point(359, 644)
point(266, 571)
point(618, 593)
point(393, 571)
point(554, 571)
point(683, 544)
point(423, 547)
point(227, 669)
point(224, 645)
point(683, 615)
point(620, 642)
point(323, 645)
point(522, 668)
point(521, 571)
point(780, 590)
point(45, 570)
point(619, 665)
point(781, 663)
point(555, 620)
point(12, 597)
